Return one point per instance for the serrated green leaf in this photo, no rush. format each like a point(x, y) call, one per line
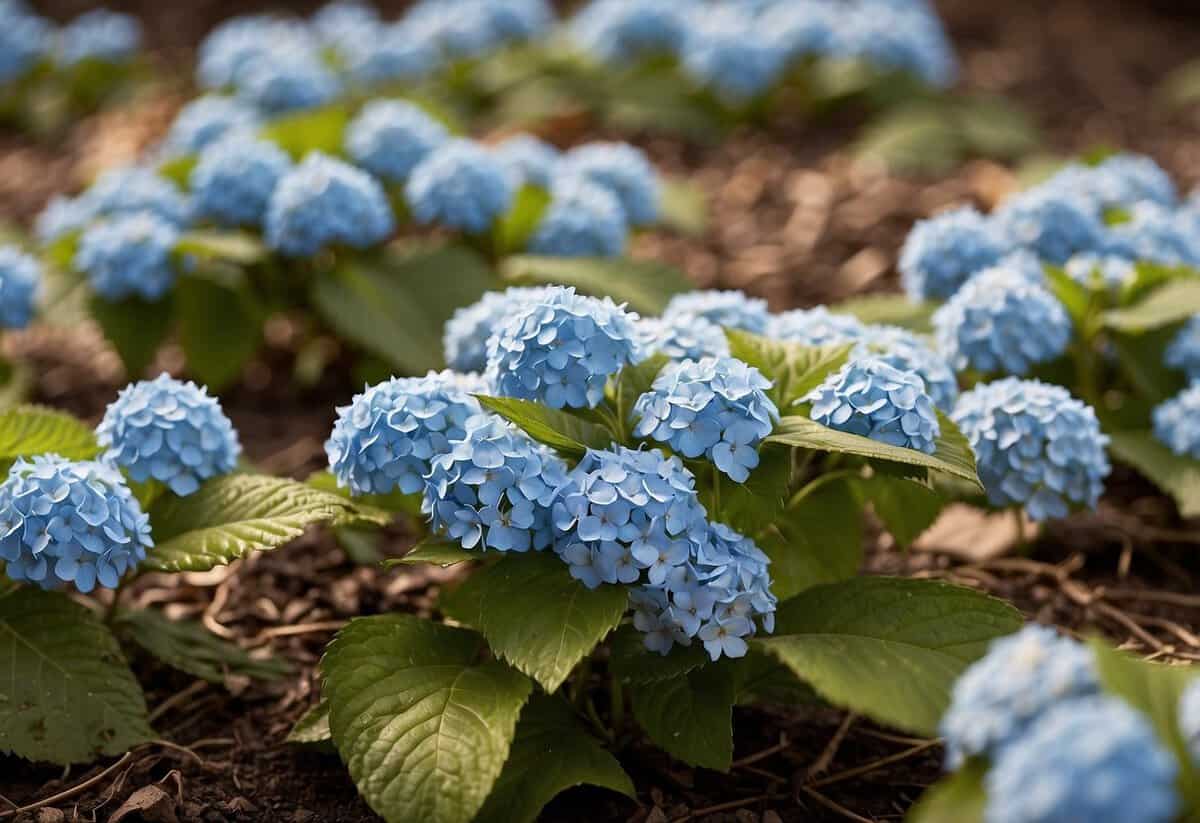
point(683, 207)
point(220, 329)
point(561, 430)
point(571, 618)
point(307, 131)
point(632, 662)
point(423, 729)
point(237, 247)
point(906, 507)
point(819, 539)
point(1178, 476)
point(549, 754)
point(513, 230)
point(436, 552)
point(1172, 302)
point(953, 453)
point(958, 798)
point(793, 369)
point(395, 502)
point(29, 430)
point(135, 328)
point(232, 516)
point(193, 649)
point(888, 648)
point(691, 716)
point(313, 726)
point(891, 310)
point(69, 696)
point(645, 285)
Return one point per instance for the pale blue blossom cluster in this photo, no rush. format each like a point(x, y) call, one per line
point(25, 39)
point(943, 252)
point(815, 327)
point(204, 121)
point(1183, 352)
point(682, 337)
point(724, 50)
point(729, 309)
point(460, 184)
point(465, 337)
point(99, 35)
point(1101, 271)
point(871, 398)
point(533, 161)
point(624, 170)
point(389, 138)
point(1177, 422)
point(129, 189)
point(20, 279)
point(235, 178)
point(70, 522)
point(129, 255)
point(169, 431)
point(583, 219)
point(286, 78)
point(907, 352)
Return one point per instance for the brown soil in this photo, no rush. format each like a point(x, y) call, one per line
point(792, 220)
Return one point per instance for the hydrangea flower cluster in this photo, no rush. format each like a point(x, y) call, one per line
point(205, 120)
point(285, 78)
point(494, 488)
point(872, 399)
point(582, 220)
point(620, 30)
point(682, 337)
point(815, 327)
point(732, 309)
point(235, 177)
point(622, 169)
point(24, 39)
point(388, 436)
point(1183, 352)
point(100, 35)
point(560, 348)
point(394, 53)
point(722, 51)
point(1035, 445)
point(716, 407)
point(903, 350)
point(169, 431)
point(233, 46)
point(129, 256)
point(389, 138)
point(1054, 224)
point(1157, 234)
point(323, 202)
point(132, 189)
point(1107, 271)
point(1177, 422)
point(462, 185)
point(466, 334)
point(20, 276)
point(943, 252)
point(64, 522)
point(1120, 181)
point(1000, 322)
point(530, 160)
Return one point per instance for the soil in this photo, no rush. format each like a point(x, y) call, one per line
point(793, 220)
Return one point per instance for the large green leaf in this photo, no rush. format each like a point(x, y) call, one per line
point(891, 310)
point(906, 507)
point(512, 232)
point(919, 138)
point(309, 131)
point(69, 696)
point(571, 618)
point(241, 248)
point(561, 430)
point(422, 727)
point(959, 798)
point(995, 127)
point(761, 499)
point(192, 648)
point(436, 552)
point(888, 648)
point(550, 754)
point(953, 453)
point(691, 716)
point(234, 515)
point(220, 328)
point(632, 383)
point(1155, 689)
point(794, 369)
point(683, 207)
point(1172, 302)
point(135, 328)
point(1178, 476)
point(632, 662)
point(29, 430)
point(395, 306)
point(313, 726)
point(646, 286)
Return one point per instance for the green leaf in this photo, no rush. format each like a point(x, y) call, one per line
point(313, 726)
point(1172, 302)
point(549, 754)
point(135, 328)
point(761, 499)
point(632, 383)
point(632, 662)
point(1155, 690)
point(794, 369)
point(571, 619)
point(423, 729)
point(891, 310)
point(906, 507)
point(179, 169)
point(683, 207)
point(395, 306)
point(436, 552)
point(29, 430)
point(994, 127)
point(761, 678)
point(1181, 87)
point(513, 230)
point(561, 430)
point(69, 696)
point(238, 247)
point(308, 131)
point(645, 285)
point(232, 516)
point(958, 798)
point(691, 716)
point(888, 648)
point(953, 453)
point(193, 649)
point(919, 138)
point(1178, 476)
point(1075, 297)
point(219, 328)
point(818, 540)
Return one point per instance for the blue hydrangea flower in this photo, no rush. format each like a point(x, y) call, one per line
point(682, 337)
point(1120, 181)
point(1093, 759)
point(1000, 322)
point(1102, 271)
point(1183, 352)
point(24, 39)
point(234, 179)
point(62, 216)
point(730, 309)
point(390, 137)
point(70, 522)
point(20, 276)
point(531, 160)
point(726, 51)
point(394, 53)
point(897, 37)
point(205, 120)
point(102, 35)
point(1189, 719)
point(286, 78)
point(1035, 445)
point(462, 185)
point(561, 348)
point(388, 435)
point(323, 202)
point(169, 431)
point(815, 327)
point(872, 399)
point(625, 170)
point(1025, 264)
point(716, 407)
point(136, 189)
point(800, 29)
point(465, 337)
point(1000, 697)
point(344, 22)
point(1177, 422)
point(621, 30)
point(129, 256)
point(582, 220)
point(1157, 234)
point(905, 351)
point(943, 252)
point(467, 29)
point(515, 20)
point(494, 488)
point(1053, 224)
point(230, 48)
